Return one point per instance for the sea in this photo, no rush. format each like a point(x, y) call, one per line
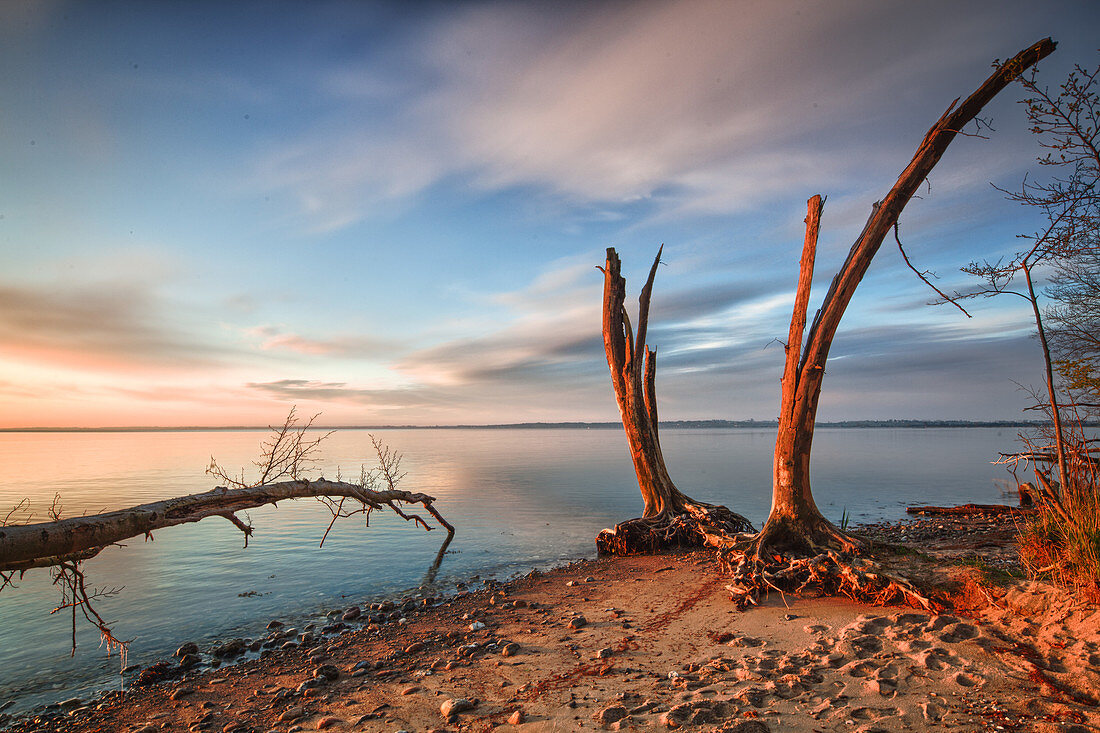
point(520, 499)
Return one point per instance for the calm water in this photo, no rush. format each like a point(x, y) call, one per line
point(519, 499)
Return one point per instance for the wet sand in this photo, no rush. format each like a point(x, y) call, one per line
point(653, 643)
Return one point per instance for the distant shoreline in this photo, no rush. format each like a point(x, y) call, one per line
point(688, 424)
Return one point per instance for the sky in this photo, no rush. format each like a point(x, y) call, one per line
point(392, 213)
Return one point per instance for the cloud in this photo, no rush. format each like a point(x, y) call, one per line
point(700, 106)
point(273, 338)
point(99, 325)
point(298, 390)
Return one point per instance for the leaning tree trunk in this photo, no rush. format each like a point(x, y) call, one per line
point(795, 518)
point(670, 517)
point(795, 526)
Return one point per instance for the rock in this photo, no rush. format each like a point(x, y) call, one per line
point(589, 579)
point(411, 690)
point(516, 718)
point(477, 626)
point(610, 714)
point(578, 622)
point(310, 684)
point(189, 660)
point(416, 646)
point(232, 648)
point(455, 705)
point(510, 649)
point(291, 714)
point(179, 692)
point(571, 583)
point(605, 653)
point(157, 673)
point(352, 613)
point(188, 648)
point(327, 671)
point(327, 722)
point(274, 624)
point(72, 702)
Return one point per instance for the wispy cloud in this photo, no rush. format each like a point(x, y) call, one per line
point(106, 325)
point(275, 338)
point(703, 106)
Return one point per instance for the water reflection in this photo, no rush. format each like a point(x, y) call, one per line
point(518, 498)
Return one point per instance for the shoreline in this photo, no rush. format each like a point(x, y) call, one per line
point(659, 630)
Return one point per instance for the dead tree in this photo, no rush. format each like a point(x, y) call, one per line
point(63, 544)
point(795, 526)
point(670, 517)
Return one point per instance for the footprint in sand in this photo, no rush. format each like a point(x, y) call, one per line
point(914, 645)
point(959, 632)
point(937, 658)
point(859, 668)
point(965, 679)
point(937, 623)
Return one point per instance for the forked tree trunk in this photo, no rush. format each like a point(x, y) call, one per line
point(795, 520)
point(670, 517)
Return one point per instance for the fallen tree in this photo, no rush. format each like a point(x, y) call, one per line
point(798, 547)
point(63, 544)
point(670, 517)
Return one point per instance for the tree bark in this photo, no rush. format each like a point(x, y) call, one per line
point(51, 543)
point(669, 517)
point(795, 519)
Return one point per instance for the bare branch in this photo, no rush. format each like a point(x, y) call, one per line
point(946, 298)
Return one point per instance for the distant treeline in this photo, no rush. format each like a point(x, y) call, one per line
point(690, 424)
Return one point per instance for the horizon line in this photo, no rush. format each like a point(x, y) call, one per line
point(713, 422)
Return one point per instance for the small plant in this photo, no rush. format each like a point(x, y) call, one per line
point(1062, 542)
point(845, 519)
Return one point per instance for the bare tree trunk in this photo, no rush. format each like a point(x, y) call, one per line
point(670, 517)
point(1052, 395)
point(795, 520)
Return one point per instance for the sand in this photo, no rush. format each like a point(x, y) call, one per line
point(661, 647)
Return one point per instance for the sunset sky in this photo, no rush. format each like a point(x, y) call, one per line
point(391, 213)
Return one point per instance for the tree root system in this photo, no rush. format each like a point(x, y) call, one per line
point(696, 524)
point(829, 573)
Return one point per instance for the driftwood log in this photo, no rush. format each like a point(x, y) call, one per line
point(670, 517)
point(968, 509)
point(50, 543)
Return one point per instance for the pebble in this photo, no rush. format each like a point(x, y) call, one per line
point(455, 705)
point(477, 626)
point(578, 622)
point(189, 660)
point(188, 648)
point(516, 718)
point(510, 649)
point(327, 671)
point(179, 692)
point(327, 722)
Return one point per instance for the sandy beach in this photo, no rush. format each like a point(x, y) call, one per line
point(651, 642)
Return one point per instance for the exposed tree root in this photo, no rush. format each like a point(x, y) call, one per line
point(828, 574)
point(696, 524)
point(821, 560)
